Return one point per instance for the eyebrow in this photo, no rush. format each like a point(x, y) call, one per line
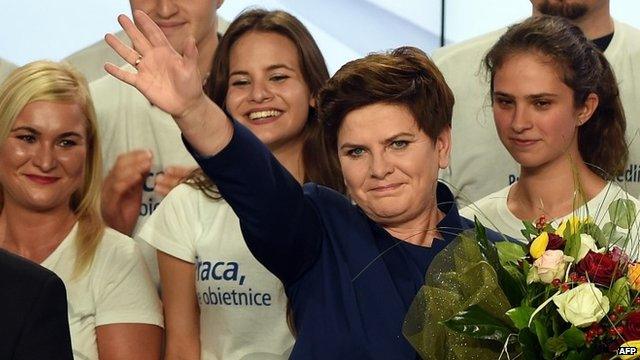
point(269, 68)
point(531, 97)
point(36, 132)
point(386, 141)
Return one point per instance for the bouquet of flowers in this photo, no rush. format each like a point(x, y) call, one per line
point(573, 292)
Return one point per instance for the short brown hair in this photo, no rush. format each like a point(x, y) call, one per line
point(404, 76)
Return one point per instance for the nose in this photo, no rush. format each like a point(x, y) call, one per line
point(260, 92)
point(166, 8)
point(520, 120)
point(380, 165)
point(44, 158)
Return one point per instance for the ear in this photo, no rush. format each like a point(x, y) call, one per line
point(312, 101)
point(586, 110)
point(443, 147)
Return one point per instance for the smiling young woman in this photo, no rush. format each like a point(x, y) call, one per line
point(50, 182)
point(557, 111)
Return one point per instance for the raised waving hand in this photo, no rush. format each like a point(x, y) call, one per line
point(170, 81)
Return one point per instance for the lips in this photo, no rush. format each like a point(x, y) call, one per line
point(169, 26)
point(523, 142)
point(386, 188)
point(42, 180)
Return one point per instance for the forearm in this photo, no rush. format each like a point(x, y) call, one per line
point(206, 127)
point(278, 223)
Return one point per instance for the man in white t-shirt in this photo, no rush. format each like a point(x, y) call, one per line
point(139, 141)
point(5, 68)
point(479, 163)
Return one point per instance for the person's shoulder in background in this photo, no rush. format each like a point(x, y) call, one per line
point(91, 59)
point(33, 311)
point(6, 68)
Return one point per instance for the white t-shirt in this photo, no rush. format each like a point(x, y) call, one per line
point(127, 121)
point(492, 210)
point(116, 288)
point(479, 162)
point(242, 305)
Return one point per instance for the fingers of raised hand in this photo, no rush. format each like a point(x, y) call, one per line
point(138, 39)
point(150, 29)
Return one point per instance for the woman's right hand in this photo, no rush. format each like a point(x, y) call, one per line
point(171, 82)
point(167, 79)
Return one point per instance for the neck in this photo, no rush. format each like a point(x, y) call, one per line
point(596, 23)
point(554, 190)
point(421, 231)
point(206, 51)
point(45, 231)
point(290, 156)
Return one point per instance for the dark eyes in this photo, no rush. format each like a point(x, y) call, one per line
point(27, 138)
point(275, 78)
point(64, 143)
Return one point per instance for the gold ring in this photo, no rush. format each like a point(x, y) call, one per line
point(138, 60)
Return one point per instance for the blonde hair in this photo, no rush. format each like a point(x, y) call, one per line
point(59, 82)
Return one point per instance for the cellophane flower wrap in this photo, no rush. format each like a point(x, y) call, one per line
point(572, 292)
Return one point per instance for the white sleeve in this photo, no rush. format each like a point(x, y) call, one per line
point(173, 226)
point(123, 290)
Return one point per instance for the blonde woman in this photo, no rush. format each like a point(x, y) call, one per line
point(49, 213)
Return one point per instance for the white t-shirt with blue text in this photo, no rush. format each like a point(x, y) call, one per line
point(242, 305)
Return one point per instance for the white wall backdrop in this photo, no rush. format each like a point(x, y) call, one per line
point(345, 29)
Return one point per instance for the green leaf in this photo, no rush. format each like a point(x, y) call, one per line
point(543, 336)
point(529, 344)
point(574, 338)
point(613, 236)
point(572, 247)
point(622, 212)
point(477, 323)
point(619, 293)
point(529, 230)
point(556, 345)
point(513, 288)
point(520, 316)
point(509, 252)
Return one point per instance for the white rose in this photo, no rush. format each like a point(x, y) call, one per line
point(587, 243)
point(582, 305)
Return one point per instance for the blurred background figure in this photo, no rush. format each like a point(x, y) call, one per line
point(50, 182)
point(90, 60)
point(34, 314)
point(143, 154)
point(479, 165)
point(5, 68)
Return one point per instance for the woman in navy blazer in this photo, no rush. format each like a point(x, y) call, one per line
point(350, 268)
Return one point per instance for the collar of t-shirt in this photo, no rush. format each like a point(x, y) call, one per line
point(603, 42)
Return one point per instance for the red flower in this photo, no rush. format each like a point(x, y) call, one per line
point(601, 268)
point(556, 242)
point(632, 326)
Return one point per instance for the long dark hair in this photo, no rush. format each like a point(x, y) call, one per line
point(586, 71)
point(314, 71)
